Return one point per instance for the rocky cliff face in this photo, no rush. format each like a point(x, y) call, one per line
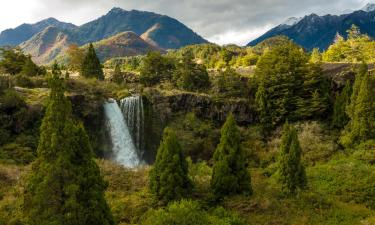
point(203, 106)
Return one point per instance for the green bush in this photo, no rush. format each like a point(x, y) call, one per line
point(187, 212)
point(17, 153)
point(350, 180)
point(24, 81)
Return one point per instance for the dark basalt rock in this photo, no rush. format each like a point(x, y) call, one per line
point(203, 106)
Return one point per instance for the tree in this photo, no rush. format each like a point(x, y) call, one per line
point(291, 171)
point(229, 83)
point(315, 57)
point(191, 76)
point(230, 175)
point(280, 73)
point(76, 56)
point(65, 186)
point(361, 111)
point(315, 96)
point(226, 56)
point(169, 176)
point(155, 68)
point(356, 48)
point(91, 66)
point(13, 61)
point(117, 76)
point(340, 117)
point(29, 68)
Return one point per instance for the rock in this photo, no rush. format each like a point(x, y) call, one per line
point(202, 105)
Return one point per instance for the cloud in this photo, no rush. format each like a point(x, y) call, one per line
point(222, 21)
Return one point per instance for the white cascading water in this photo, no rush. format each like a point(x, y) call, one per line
point(123, 147)
point(132, 109)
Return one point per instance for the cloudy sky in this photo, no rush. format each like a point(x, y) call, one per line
point(220, 21)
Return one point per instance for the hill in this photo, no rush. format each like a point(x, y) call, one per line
point(47, 44)
point(25, 31)
point(123, 44)
point(161, 30)
point(315, 31)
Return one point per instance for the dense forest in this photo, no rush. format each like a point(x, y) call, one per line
point(269, 134)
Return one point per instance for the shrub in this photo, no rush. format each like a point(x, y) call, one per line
point(187, 212)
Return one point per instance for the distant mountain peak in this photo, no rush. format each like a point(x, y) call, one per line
point(50, 20)
point(116, 10)
point(315, 31)
point(291, 21)
point(369, 7)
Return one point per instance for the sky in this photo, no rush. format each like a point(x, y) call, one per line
point(219, 21)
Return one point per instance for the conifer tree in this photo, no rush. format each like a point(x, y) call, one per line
point(230, 175)
point(340, 117)
point(315, 97)
point(361, 111)
point(117, 75)
point(280, 73)
point(291, 171)
point(29, 68)
point(65, 186)
point(315, 57)
point(91, 66)
point(169, 176)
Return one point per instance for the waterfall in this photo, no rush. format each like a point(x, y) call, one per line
point(123, 148)
point(132, 109)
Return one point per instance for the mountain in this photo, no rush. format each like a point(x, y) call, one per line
point(292, 20)
point(118, 33)
point(52, 43)
point(123, 44)
point(160, 30)
point(315, 31)
point(25, 31)
point(47, 44)
point(369, 7)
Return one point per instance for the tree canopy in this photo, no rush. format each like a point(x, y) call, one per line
point(64, 186)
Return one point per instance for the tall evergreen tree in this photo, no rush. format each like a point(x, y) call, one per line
point(291, 171)
point(280, 73)
point(65, 186)
point(361, 111)
point(340, 117)
point(315, 57)
point(117, 75)
point(315, 96)
point(91, 66)
point(230, 175)
point(191, 76)
point(169, 176)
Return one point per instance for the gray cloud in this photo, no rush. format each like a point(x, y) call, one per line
point(218, 20)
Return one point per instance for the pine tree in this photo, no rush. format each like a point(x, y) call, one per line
point(281, 72)
point(169, 176)
point(315, 97)
point(91, 66)
point(65, 186)
point(315, 57)
point(117, 75)
point(29, 68)
point(340, 117)
point(361, 111)
point(291, 171)
point(230, 175)
point(191, 76)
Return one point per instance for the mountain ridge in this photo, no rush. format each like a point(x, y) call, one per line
point(314, 31)
point(26, 31)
